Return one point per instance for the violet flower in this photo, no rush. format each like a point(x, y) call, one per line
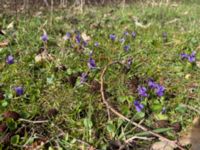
point(138, 106)
point(78, 38)
point(112, 37)
point(142, 91)
point(152, 84)
point(44, 37)
point(184, 56)
point(192, 57)
point(91, 63)
point(96, 44)
point(10, 60)
point(126, 48)
point(67, 36)
point(160, 90)
point(126, 33)
point(19, 91)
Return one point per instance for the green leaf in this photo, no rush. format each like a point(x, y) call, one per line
point(15, 139)
point(156, 107)
point(181, 109)
point(12, 125)
point(139, 115)
point(161, 117)
point(110, 127)
point(4, 103)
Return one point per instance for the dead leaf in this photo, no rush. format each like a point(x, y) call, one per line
point(2, 32)
point(163, 145)
point(85, 37)
point(185, 140)
point(4, 43)
point(198, 64)
point(11, 25)
point(44, 56)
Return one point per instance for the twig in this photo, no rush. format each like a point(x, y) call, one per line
point(138, 137)
point(125, 118)
point(34, 122)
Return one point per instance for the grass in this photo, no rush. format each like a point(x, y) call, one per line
point(82, 115)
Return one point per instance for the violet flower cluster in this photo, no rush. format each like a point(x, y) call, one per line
point(190, 57)
point(143, 93)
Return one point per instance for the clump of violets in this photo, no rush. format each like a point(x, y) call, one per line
point(138, 106)
point(10, 60)
point(190, 57)
point(112, 37)
point(19, 90)
point(159, 89)
point(44, 37)
point(144, 92)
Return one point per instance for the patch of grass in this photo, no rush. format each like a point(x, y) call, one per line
point(82, 115)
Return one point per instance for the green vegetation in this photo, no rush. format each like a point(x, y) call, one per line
point(50, 75)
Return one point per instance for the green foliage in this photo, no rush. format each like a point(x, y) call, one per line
point(82, 115)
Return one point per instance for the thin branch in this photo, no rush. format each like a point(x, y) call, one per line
point(34, 122)
point(125, 118)
point(138, 137)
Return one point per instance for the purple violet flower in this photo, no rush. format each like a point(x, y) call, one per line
point(44, 37)
point(138, 106)
point(126, 48)
point(85, 43)
point(192, 58)
point(78, 38)
point(142, 91)
point(112, 37)
point(152, 84)
point(19, 91)
point(91, 63)
point(10, 60)
point(160, 90)
point(129, 62)
point(184, 56)
point(67, 36)
point(96, 44)
point(126, 33)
